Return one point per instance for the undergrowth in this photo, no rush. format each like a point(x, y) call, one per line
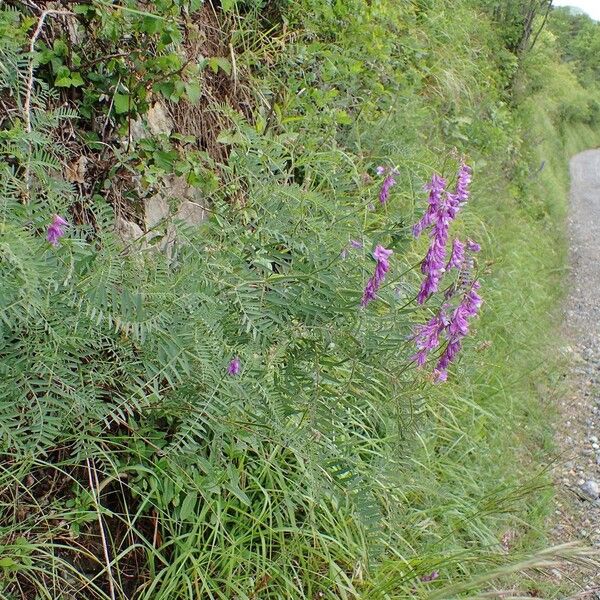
point(203, 410)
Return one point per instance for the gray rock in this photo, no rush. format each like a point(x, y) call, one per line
point(158, 120)
point(128, 231)
point(156, 209)
point(591, 489)
point(191, 213)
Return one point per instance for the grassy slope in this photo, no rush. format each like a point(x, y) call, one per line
point(388, 83)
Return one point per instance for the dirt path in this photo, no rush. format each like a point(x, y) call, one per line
point(578, 432)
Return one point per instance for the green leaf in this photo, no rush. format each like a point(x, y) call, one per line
point(227, 5)
point(152, 25)
point(234, 486)
point(62, 82)
point(76, 79)
point(60, 48)
point(188, 505)
point(82, 9)
point(218, 62)
point(193, 91)
point(121, 103)
point(7, 562)
point(343, 118)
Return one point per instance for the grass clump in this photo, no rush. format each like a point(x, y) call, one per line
point(134, 465)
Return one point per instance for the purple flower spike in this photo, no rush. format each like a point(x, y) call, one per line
point(56, 230)
point(457, 256)
point(381, 255)
point(427, 337)
point(462, 183)
point(436, 187)
point(458, 327)
point(356, 244)
point(461, 192)
point(387, 185)
point(234, 366)
point(434, 263)
point(473, 246)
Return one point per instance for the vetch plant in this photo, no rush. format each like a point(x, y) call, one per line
point(388, 182)
point(442, 210)
point(234, 366)
point(352, 245)
point(458, 328)
point(381, 255)
point(457, 255)
point(56, 230)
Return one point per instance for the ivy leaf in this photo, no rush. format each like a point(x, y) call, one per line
point(63, 77)
point(218, 62)
point(121, 103)
point(193, 91)
point(76, 79)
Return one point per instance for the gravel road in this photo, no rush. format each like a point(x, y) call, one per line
point(578, 430)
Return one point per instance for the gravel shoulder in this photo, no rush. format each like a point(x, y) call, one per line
point(578, 428)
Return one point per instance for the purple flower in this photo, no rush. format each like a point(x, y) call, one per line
point(234, 366)
point(442, 209)
point(458, 328)
point(354, 244)
point(457, 256)
point(436, 187)
point(473, 246)
point(434, 263)
point(427, 337)
point(462, 183)
point(461, 192)
point(388, 182)
point(381, 256)
point(56, 230)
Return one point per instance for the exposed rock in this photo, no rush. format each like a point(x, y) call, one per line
point(175, 192)
point(591, 489)
point(137, 130)
point(156, 209)
point(158, 120)
point(191, 213)
point(128, 231)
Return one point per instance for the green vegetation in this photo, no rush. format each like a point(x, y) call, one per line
point(132, 464)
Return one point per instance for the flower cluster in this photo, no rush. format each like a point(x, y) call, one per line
point(388, 182)
point(449, 326)
point(56, 230)
point(428, 337)
point(453, 328)
point(381, 256)
point(441, 211)
point(234, 366)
